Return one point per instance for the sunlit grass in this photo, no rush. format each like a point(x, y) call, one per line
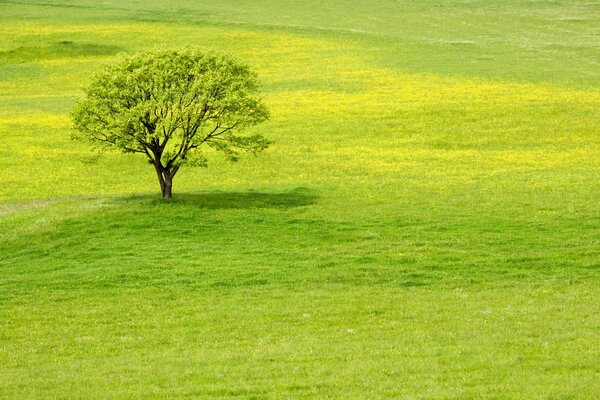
point(370, 121)
point(425, 225)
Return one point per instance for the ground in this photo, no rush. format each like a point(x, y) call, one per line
point(425, 226)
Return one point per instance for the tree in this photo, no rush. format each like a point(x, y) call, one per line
point(170, 106)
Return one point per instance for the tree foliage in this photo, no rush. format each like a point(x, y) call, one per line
point(171, 106)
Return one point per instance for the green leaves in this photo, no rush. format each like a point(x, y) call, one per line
point(168, 104)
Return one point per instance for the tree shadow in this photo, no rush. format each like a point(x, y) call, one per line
point(234, 200)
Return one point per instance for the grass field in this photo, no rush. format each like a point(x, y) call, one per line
point(426, 225)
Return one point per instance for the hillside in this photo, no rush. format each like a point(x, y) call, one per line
point(425, 226)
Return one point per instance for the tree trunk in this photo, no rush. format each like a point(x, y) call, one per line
point(166, 190)
point(165, 180)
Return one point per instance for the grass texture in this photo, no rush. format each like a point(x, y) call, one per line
point(426, 225)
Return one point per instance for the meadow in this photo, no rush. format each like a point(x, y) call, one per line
point(425, 226)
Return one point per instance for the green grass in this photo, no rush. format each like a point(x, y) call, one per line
point(426, 225)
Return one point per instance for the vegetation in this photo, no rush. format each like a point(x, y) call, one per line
point(425, 225)
point(165, 105)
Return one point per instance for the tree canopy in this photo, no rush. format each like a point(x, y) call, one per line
point(170, 106)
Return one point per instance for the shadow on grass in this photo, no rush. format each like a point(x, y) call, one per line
point(234, 200)
point(50, 51)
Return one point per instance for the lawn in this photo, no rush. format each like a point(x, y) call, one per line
point(425, 226)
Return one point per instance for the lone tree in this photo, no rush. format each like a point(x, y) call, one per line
point(167, 105)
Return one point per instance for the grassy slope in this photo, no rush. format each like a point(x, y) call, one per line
point(426, 225)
